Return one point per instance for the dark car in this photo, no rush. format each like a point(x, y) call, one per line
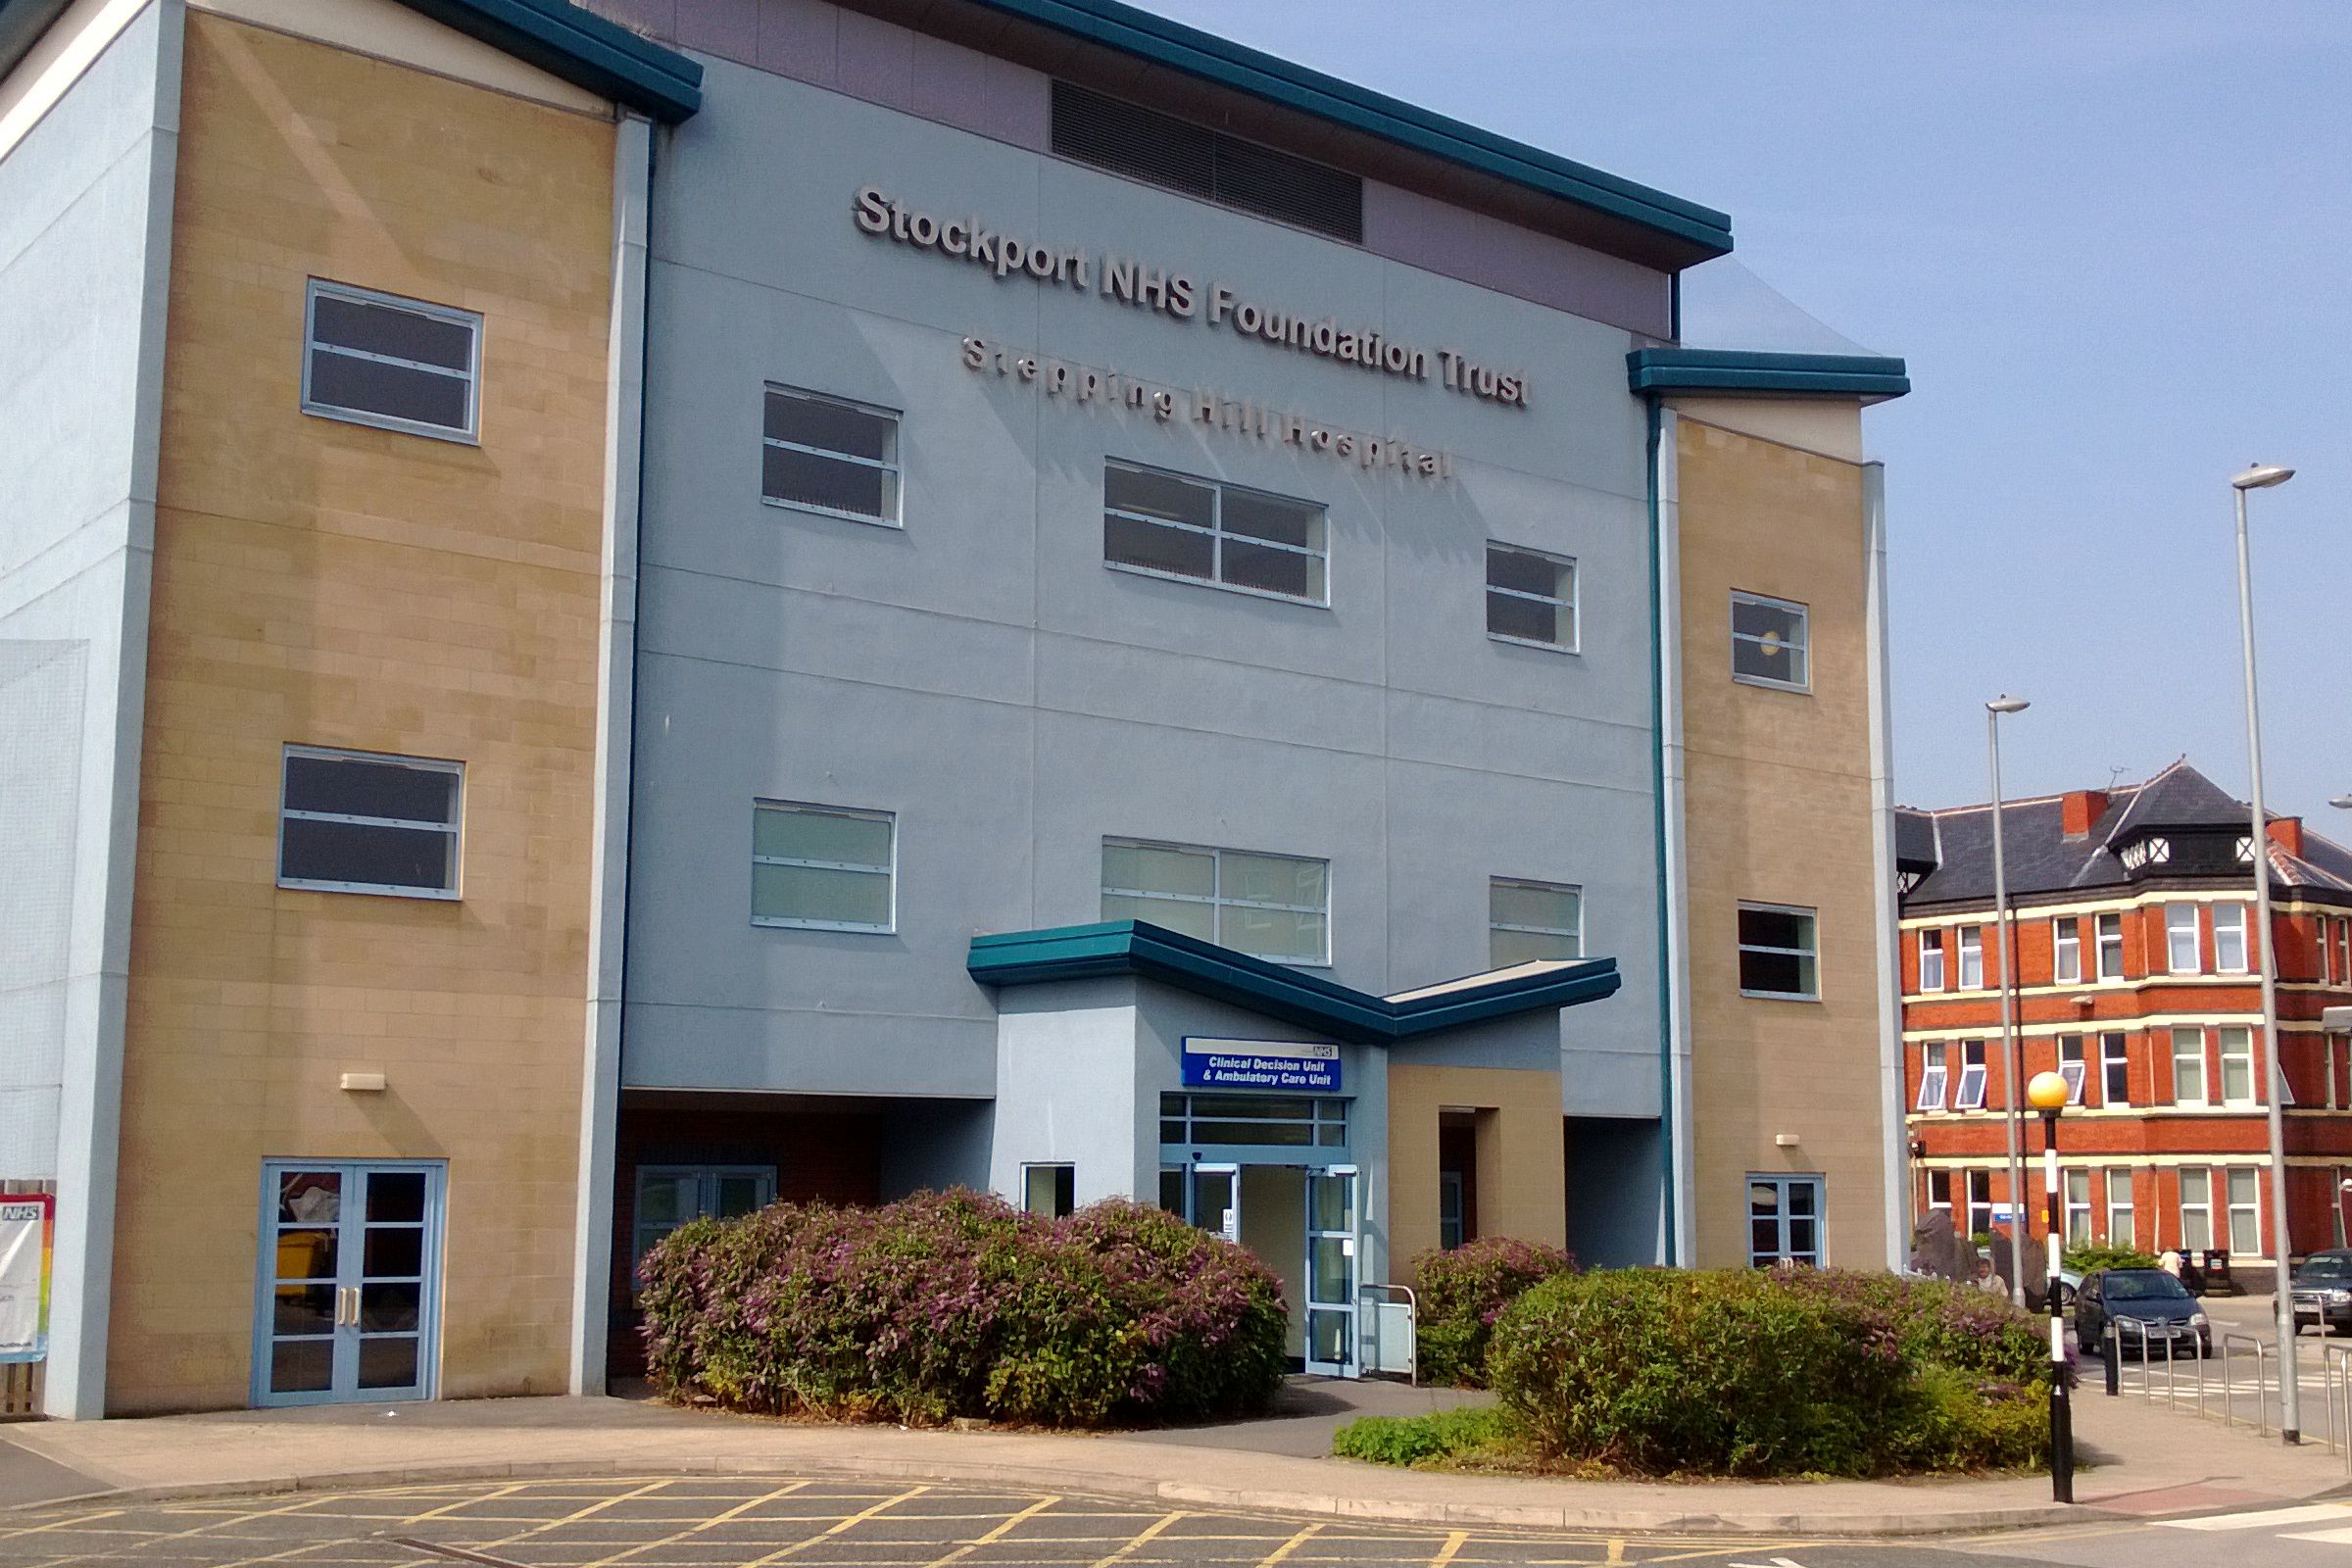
point(2162, 1310)
point(2324, 1292)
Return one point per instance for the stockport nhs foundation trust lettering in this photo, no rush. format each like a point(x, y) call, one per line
point(1180, 297)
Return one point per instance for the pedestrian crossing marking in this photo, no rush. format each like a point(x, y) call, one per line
point(2333, 1538)
point(2255, 1519)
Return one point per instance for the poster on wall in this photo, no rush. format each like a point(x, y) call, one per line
point(25, 1239)
point(1261, 1065)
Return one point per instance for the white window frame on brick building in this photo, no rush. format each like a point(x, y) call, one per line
point(1972, 958)
point(2122, 1213)
point(1974, 1074)
point(2066, 950)
point(1931, 960)
point(2185, 1047)
point(2109, 934)
point(2181, 949)
point(1935, 1075)
point(2229, 939)
point(2115, 1067)
point(2073, 1067)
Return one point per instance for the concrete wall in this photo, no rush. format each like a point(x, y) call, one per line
point(85, 228)
point(1520, 1192)
point(325, 582)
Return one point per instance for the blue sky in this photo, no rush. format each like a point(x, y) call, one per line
point(2114, 241)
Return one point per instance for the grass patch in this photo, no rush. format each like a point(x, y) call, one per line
point(1443, 1438)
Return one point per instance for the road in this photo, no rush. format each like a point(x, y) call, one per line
point(815, 1522)
point(2228, 1380)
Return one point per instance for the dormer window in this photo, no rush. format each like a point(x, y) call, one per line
point(2147, 852)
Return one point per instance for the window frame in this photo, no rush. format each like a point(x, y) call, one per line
point(2244, 1056)
point(1216, 899)
point(2172, 935)
point(2175, 1037)
point(2074, 1216)
point(469, 436)
point(455, 828)
point(1743, 948)
point(1530, 884)
point(2118, 1181)
point(1971, 955)
point(1974, 1070)
point(1784, 1184)
point(704, 1176)
point(1934, 1076)
point(1032, 1168)
point(786, 923)
point(1573, 603)
point(2079, 1079)
point(1804, 648)
point(2236, 926)
point(2113, 1061)
point(2203, 1209)
point(2100, 939)
point(1973, 1181)
point(897, 470)
point(1935, 948)
point(2232, 1207)
point(2066, 950)
point(1218, 534)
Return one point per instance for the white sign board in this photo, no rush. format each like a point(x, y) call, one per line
point(25, 1276)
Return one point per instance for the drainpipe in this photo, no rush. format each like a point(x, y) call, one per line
point(1895, 1142)
point(1667, 780)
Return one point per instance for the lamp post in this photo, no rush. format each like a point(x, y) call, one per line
point(2004, 935)
point(2262, 476)
point(2048, 1094)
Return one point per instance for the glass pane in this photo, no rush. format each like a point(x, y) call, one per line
point(806, 479)
point(1141, 869)
point(390, 1308)
point(1523, 904)
point(302, 1366)
point(395, 1195)
point(1286, 1133)
point(803, 835)
point(388, 1363)
point(1212, 1199)
point(2243, 1185)
point(1775, 928)
point(395, 1252)
point(833, 426)
point(1171, 1189)
point(1039, 1185)
point(1763, 1198)
point(1774, 973)
point(389, 391)
point(804, 893)
point(1273, 572)
point(1289, 522)
point(1527, 620)
point(1145, 544)
point(1330, 1273)
point(310, 1196)
point(1328, 1208)
point(1188, 920)
point(1274, 879)
point(663, 1200)
point(1526, 572)
point(1800, 1239)
point(741, 1195)
point(2237, 1078)
point(304, 1310)
point(1764, 1239)
point(1752, 619)
point(371, 856)
point(1282, 935)
point(1506, 948)
point(306, 1255)
point(1803, 1198)
point(1159, 495)
point(1768, 660)
point(350, 786)
point(379, 328)
point(1326, 1336)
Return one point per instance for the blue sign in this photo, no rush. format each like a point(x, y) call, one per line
point(1210, 1063)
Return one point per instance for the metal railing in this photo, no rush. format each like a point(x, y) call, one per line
point(2240, 1365)
point(1389, 1330)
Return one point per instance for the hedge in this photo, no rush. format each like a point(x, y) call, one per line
point(1458, 1296)
point(949, 1305)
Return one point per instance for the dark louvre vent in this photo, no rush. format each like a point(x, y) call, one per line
point(1145, 144)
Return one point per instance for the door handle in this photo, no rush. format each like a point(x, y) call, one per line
point(347, 1305)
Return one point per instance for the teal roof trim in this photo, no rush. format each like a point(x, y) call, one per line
point(1868, 375)
point(1154, 952)
point(582, 48)
point(1704, 230)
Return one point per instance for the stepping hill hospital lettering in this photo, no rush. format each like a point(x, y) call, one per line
point(1180, 297)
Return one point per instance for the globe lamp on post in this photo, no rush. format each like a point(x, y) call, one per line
point(2048, 1094)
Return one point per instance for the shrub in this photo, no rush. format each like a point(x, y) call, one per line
point(954, 1303)
point(2092, 1257)
point(1459, 1295)
point(1953, 1421)
point(1940, 1322)
point(1421, 1439)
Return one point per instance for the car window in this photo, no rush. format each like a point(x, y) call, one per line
point(2324, 1270)
point(2148, 1286)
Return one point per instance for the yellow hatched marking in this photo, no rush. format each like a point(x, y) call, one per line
point(75, 1523)
point(574, 1517)
point(837, 1528)
point(298, 1506)
point(1453, 1544)
point(1004, 1529)
point(711, 1523)
point(1290, 1546)
point(1138, 1543)
point(507, 1491)
point(1616, 1548)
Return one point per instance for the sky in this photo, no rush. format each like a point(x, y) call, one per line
point(2113, 239)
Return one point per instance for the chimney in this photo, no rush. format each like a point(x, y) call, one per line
point(2287, 833)
point(2081, 810)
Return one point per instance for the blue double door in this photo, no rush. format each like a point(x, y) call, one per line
point(349, 1281)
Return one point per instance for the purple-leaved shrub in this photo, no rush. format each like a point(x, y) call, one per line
point(1459, 1295)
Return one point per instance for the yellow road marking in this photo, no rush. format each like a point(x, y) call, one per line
point(1453, 1544)
point(63, 1523)
point(711, 1523)
point(489, 1497)
point(310, 1500)
point(1002, 1530)
point(1290, 1546)
point(854, 1520)
point(574, 1517)
point(1138, 1543)
point(1616, 1548)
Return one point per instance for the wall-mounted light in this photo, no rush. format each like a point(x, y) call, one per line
point(363, 1083)
point(1784, 1140)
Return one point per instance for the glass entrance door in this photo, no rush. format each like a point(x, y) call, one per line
point(1218, 1199)
point(349, 1281)
point(1330, 1271)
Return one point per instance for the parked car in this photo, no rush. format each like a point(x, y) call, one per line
point(2324, 1292)
point(2166, 1313)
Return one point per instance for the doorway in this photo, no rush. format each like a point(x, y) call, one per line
point(349, 1281)
point(1304, 1223)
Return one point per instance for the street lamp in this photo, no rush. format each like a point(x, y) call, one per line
point(2262, 476)
point(2049, 1093)
point(2342, 802)
point(2004, 933)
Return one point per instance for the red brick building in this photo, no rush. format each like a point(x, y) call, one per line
point(2139, 979)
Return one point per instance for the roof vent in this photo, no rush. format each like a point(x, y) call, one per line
point(1176, 154)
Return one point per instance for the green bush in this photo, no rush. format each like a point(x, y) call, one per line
point(2092, 1257)
point(1421, 1439)
point(1459, 1293)
point(1953, 1421)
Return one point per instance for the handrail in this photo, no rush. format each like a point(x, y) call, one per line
point(1412, 1305)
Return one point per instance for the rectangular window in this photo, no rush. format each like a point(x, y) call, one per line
point(2078, 1207)
point(1935, 1075)
point(2115, 1070)
point(1530, 597)
point(2237, 1065)
point(1769, 646)
point(669, 1196)
point(2343, 950)
point(1452, 1220)
point(1778, 953)
point(2066, 950)
point(2123, 1220)
point(1940, 1191)
point(1274, 906)
point(2325, 928)
point(2245, 1211)
point(1972, 958)
point(2181, 939)
point(1971, 1077)
point(1289, 1121)
point(829, 455)
point(1783, 1220)
point(1931, 960)
point(1980, 1202)
point(1201, 531)
point(2196, 1209)
point(1532, 921)
point(1049, 1190)
point(2230, 938)
point(2072, 1068)
point(2111, 946)
point(2188, 1065)
point(823, 867)
point(356, 822)
point(400, 364)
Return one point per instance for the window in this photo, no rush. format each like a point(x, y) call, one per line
point(1934, 1076)
point(1783, 1220)
point(356, 822)
point(2326, 934)
point(1049, 1190)
point(2237, 1064)
point(2245, 1211)
point(400, 364)
point(1972, 958)
point(1980, 1202)
point(2180, 938)
point(2230, 938)
point(1287, 1121)
point(1170, 527)
point(2072, 1068)
point(1931, 960)
point(830, 455)
point(2343, 950)
point(2122, 1221)
point(1273, 906)
point(2115, 1070)
point(823, 867)
point(1778, 952)
point(2111, 946)
point(2077, 1208)
point(1451, 1221)
point(2188, 1065)
point(1940, 1191)
point(1971, 1077)
point(1529, 921)
point(1530, 597)
point(1769, 643)
point(2196, 1209)
point(2066, 950)
point(669, 1196)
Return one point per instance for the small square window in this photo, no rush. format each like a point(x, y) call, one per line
point(356, 822)
point(1778, 952)
point(1770, 644)
point(1531, 598)
point(823, 867)
point(1528, 922)
point(830, 455)
point(1049, 1190)
point(400, 364)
